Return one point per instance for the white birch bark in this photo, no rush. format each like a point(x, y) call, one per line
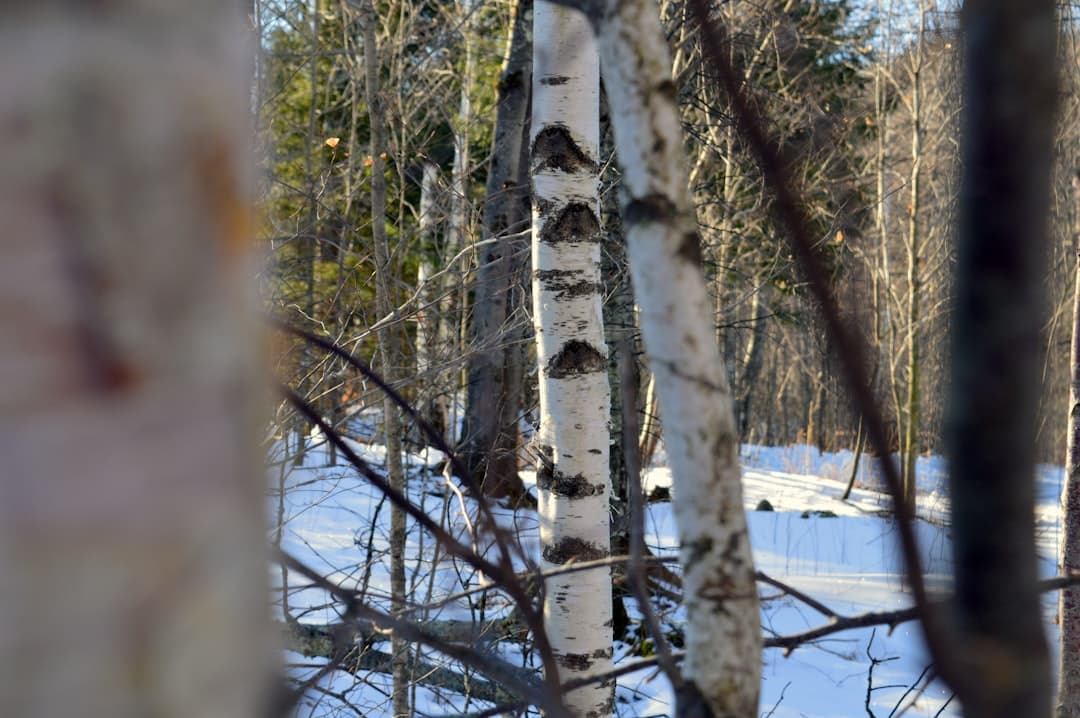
point(434, 407)
point(1069, 599)
point(132, 546)
point(459, 185)
point(426, 318)
point(453, 322)
point(1068, 705)
point(574, 395)
point(723, 638)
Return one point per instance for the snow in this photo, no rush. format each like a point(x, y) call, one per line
point(842, 553)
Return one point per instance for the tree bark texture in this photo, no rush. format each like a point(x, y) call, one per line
point(571, 352)
point(1008, 131)
point(1069, 599)
point(753, 357)
point(133, 575)
point(723, 644)
point(619, 324)
point(453, 325)
point(458, 219)
point(434, 407)
point(490, 436)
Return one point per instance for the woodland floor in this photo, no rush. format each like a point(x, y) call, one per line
point(840, 553)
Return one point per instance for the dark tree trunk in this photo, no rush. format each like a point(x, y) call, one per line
point(489, 445)
point(1009, 57)
point(753, 358)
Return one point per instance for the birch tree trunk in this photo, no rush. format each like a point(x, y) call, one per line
point(309, 241)
point(459, 189)
point(574, 395)
point(651, 429)
point(1069, 599)
point(490, 448)
point(453, 322)
point(434, 407)
point(132, 562)
point(723, 637)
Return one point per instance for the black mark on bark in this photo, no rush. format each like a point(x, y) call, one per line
point(731, 551)
point(606, 708)
point(572, 487)
point(697, 550)
point(510, 81)
point(582, 661)
point(564, 282)
point(554, 80)
point(667, 89)
point(575, 358)
point(573, 549)
point(576, 222)
point(545, 463)
point(650, 208)
point(543, 206)
point(555, 149)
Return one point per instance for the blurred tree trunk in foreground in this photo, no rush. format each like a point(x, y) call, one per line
point(132, 567)
point(1002, 666)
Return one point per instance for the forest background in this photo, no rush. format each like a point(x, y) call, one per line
point(394, 208)
point(862, 103)
point(863, 98)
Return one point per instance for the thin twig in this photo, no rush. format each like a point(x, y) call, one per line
point(796, 594)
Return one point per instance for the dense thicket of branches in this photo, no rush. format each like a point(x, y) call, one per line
point(797, 183)
point(859, 104)
point(863, 100)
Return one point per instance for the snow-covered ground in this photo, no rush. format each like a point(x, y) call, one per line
point(842, 553)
